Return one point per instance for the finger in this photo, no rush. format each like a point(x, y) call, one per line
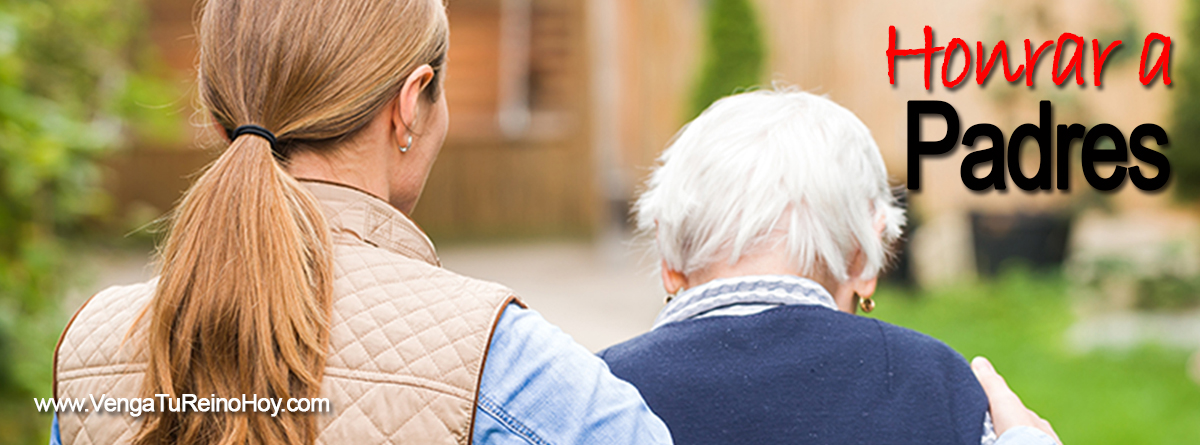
point(1007, 409)
point(983, 368)
point(993, 384)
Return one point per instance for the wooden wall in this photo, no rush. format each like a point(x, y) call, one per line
point(542, 183)
point(485, 184)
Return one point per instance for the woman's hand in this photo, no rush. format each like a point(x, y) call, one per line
point(1007, 409)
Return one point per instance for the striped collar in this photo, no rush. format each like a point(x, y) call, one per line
point(743, 296)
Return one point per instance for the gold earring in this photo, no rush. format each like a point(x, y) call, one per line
point(866, 304)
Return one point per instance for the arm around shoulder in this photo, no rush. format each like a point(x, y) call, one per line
point(539, 387)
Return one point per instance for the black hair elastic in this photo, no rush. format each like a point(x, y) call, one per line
point(257, 131)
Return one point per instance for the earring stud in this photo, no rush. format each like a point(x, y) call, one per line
point(404, 148)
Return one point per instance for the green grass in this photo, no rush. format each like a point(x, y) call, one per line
point(1141, 396)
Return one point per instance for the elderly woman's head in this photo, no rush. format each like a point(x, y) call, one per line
point(773, 182)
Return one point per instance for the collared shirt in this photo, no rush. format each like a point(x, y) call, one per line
point(743, 296)
point(747, 295)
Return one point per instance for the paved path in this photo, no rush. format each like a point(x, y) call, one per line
point(605, 292)
point(600, 293)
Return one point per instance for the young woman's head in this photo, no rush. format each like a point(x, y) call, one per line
point(772, 181)
point(242, 303)
point(325, 74)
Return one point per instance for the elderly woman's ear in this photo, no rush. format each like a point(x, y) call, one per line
point(845, 294)
point(673, 280)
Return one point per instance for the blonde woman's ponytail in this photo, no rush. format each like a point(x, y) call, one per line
point(246, 285)
point(242, 305)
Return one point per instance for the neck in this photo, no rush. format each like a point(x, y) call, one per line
point(350, 165)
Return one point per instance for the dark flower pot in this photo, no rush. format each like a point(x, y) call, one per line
point(1038, 240)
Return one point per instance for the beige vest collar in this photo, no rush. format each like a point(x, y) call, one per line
point(372, 220)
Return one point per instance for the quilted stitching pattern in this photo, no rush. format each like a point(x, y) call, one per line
point(407, 342)
point(93, 360)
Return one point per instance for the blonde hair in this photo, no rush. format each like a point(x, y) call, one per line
point(246, 274)
point(772, 169)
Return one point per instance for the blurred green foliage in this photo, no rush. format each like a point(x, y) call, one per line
point(1164, 282)
point(73, 75)
point(734, 52)
point(1168, 292)
point(1019, 321)
point(1185, 136)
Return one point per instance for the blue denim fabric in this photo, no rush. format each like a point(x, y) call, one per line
point(1025, 435)
point(539, 387)
point(55, 439)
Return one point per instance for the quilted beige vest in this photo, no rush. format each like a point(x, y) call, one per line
point(407, 345)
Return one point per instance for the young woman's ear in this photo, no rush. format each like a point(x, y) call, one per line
point(408, 102)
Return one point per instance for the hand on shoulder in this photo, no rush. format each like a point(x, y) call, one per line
point(1007, 409)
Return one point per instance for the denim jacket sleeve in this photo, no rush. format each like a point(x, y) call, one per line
point(1025, 435)
point(539, 387)
point(55, 438)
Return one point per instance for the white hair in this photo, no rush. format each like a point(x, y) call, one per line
point(772, 169)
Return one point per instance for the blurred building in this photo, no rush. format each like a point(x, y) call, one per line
point(518, 160)
point(839, 49)
point(559, 108)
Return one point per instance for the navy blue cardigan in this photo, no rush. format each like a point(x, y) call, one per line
point(802, 374)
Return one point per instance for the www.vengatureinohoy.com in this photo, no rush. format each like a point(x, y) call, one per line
point(185, 403)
